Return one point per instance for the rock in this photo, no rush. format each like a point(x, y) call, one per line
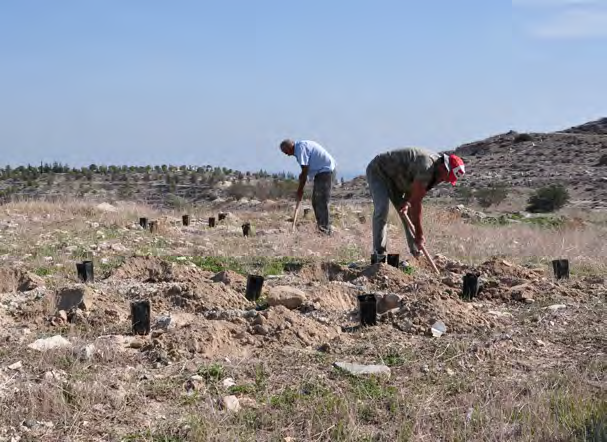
point(230, 403)
point(163, 322)
point(438, 329)
point(62, 315)
point(288, 297)
point(16, 366)
point(29, 281)
point(118, 248)
point(53, 342)
point(555, 307)
point(228, 382)
point(325, 348)
point(86, 353)
point(387, 302)
point(79, 296)
point(260, 330)
point(259, 320)
point(500, 314)
point(222, 277)
point(358, 369)
point(106, 207)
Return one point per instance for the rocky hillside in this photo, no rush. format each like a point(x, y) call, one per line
point(522, 162)
point(574, 158)
point(598, 127)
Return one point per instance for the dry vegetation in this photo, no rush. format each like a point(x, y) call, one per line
point(523, 362)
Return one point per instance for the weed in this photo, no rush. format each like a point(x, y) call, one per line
point(242, 389)
point(212, 373)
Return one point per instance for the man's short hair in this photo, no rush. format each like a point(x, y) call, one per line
point(286, 143)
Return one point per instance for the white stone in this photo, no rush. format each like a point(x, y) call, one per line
point(44, 344)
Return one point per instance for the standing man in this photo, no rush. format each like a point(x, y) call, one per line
point(403, 177)
point(317, 164)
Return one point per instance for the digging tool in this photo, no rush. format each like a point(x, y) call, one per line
point(295, 214)
point(426, 254)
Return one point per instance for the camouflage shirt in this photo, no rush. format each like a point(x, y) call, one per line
point(401, 167)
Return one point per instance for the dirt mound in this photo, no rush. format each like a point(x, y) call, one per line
point(195, 297)
point(421, 310)
point(153, 269)
point(240, 335)
point(326, 271)
point(503, 269)
point(287, 327)
point(333, 297)
point(207, 338)
point(12, 280)
point(385, 277)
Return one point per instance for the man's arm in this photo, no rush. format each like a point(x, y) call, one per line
point(418, 192)
point(303, 176)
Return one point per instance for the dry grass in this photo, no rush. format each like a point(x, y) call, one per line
point(479, 386)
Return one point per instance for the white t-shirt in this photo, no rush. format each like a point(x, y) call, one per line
point(311, 154)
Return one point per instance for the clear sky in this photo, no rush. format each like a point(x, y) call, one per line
point(222, 82)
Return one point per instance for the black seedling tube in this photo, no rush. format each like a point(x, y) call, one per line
point(367, 307)
point(185, 220)
point(561, 268)
point(143, 222)
point(222, 216)
point(140, 317)
point(254, 286)
point(306, 212)
point(471, 286)
point(393, 259)
point(85, 271)
point(246, 229)
point(211, 222)
point(377, 258)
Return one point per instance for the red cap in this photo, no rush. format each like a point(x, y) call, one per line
point(455, 166)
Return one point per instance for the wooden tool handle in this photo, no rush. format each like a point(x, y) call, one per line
point(424, 251)
point(295, 214)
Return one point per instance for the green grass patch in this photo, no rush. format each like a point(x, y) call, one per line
point(212, 373)
point(242, 389)
point(43, 271)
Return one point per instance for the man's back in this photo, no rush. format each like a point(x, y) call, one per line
point(310, 153)
point(403, 166)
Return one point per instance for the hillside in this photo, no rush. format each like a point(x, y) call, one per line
point(522, 162)
point(529, 161)
point(576, 158)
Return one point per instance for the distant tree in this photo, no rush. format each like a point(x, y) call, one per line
point(492, 195)
point(548, 199)
point(93, 168)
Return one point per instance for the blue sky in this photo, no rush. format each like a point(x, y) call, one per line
point(222, 82)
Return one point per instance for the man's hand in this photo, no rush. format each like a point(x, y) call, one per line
point(404, 209)
point(420, 241)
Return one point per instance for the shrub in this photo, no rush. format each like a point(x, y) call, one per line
point(464, 194)
point(490, 196)
point(522, 138)
point(548, 199)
